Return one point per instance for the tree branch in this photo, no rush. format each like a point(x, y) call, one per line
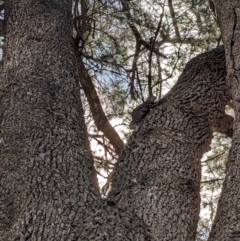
point(2, 22)
point(2, 7)
point(99, 116)
point(126, 11)
point(181, 123)
point(213, 180)
point(134, 68)
point(150, 56)
point(174, 20)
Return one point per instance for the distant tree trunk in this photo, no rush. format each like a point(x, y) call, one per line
point(226, 226)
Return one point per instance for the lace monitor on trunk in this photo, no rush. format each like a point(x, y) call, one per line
point(139, 113)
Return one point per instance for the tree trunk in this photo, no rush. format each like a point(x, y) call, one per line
point(158, 175)
point(46, 172)
point(227, 221)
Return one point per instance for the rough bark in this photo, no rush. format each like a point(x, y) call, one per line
point(226, 226)
point(158, 174)
point(45, 168)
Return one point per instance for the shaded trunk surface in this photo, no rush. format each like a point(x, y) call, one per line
point(47, 181)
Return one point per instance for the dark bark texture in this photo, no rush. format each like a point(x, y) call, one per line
point(45, 168)
point(158, 174)
point(226, 226)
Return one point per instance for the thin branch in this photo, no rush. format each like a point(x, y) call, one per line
point(209, 159)
point(134, 68)
point(107, 147)
point(160, 80)
point(168, 77)
point(102, 160)
point(150, 55)
point(174, 20)
point(213, 180)
point(126, 11)
point(140, 86)
point(101, 174)
point(2, 7)
point(2, 28)
point(95, 136)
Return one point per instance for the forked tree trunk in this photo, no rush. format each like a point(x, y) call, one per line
point(226, 226)
point(47, 187)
